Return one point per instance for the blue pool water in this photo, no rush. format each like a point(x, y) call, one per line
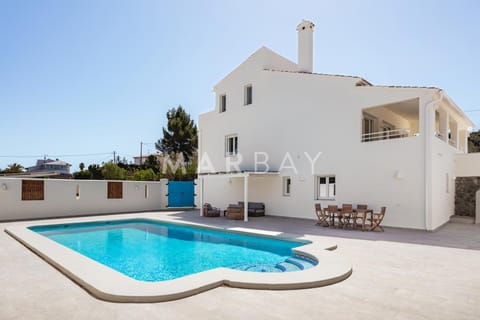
point(148, 250)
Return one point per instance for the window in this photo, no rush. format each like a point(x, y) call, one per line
point(287, 182)
point(368, 127)
point(325, 187)
point(231, 146)
point(247, 95)
point(223, 102)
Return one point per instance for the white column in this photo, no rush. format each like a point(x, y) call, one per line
point(463, 140)
point(245, 198)
point(429, 122)
point(201, 195)
point(454, 132)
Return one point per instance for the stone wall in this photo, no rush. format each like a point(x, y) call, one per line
point(465, 190)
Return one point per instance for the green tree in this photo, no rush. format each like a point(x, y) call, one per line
point(144, 175)
point(82, 175)
point(81, 166)
point(191, 168)
point(152, 163)
point(180, 136)
point(474, 142)
point(96, 171)
point(14, 168)
point(111, 171)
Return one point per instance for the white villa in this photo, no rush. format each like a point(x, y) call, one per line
point(288, 137)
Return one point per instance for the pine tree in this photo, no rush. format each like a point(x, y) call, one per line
point(180, 136)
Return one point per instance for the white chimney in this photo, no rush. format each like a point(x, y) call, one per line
point(305, 46)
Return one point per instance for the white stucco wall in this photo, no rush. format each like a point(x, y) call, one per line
point(322, 114)
point(467, 165)
point(297, 113)
point(443, 173)
point(61, 201)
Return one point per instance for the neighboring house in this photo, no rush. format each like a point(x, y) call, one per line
point(50, 165)
point(390, 146)
point(139, 160)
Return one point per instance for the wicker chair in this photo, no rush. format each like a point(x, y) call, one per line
point(235, 212)
point(209, 211)
point(322, 215)
point(376, 219)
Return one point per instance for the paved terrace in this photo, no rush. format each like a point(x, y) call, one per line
point(398, 274)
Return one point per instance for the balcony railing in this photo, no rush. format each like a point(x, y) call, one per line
point(383, 135)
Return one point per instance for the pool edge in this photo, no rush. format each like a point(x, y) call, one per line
point(110, 285)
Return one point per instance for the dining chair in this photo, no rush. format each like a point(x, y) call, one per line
point(359, 214)
point(322, 215)
point(346, 215)
point(332, 211)
point(376, 219)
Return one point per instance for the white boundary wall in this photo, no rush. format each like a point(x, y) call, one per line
point(467, 165)
point(60, 198)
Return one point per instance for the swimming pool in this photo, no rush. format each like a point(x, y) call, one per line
point(148, 250)
point(67, 247)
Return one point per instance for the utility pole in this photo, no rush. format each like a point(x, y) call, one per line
point(114, 159)
point(141, 147)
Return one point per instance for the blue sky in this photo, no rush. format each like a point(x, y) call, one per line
point(92, 77)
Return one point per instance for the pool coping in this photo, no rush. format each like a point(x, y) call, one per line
point(111, 285)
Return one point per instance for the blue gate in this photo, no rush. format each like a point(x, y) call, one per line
point(181, 194)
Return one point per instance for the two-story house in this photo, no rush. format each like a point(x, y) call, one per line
point(288, 137)
point(49, 165)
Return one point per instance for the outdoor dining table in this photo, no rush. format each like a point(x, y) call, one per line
point(364, 215)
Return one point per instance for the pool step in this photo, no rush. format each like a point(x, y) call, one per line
point(257, 268)
point(295, 263)
point(301, 263)
point(287, 266)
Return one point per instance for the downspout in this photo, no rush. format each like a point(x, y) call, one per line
point(428, 163)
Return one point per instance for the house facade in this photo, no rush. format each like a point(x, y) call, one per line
point(139, 160)
point(285, 136)
point(49, 165)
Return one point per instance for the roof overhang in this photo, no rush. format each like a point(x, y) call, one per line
point(458, 110)
point(239, 174)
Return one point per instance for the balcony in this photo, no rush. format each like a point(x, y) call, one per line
point(390, 121)
point(450, 130)
point(383, 135)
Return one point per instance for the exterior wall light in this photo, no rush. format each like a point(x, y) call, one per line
point(399, 175)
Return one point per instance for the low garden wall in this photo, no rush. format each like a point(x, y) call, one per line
point(44, 198)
